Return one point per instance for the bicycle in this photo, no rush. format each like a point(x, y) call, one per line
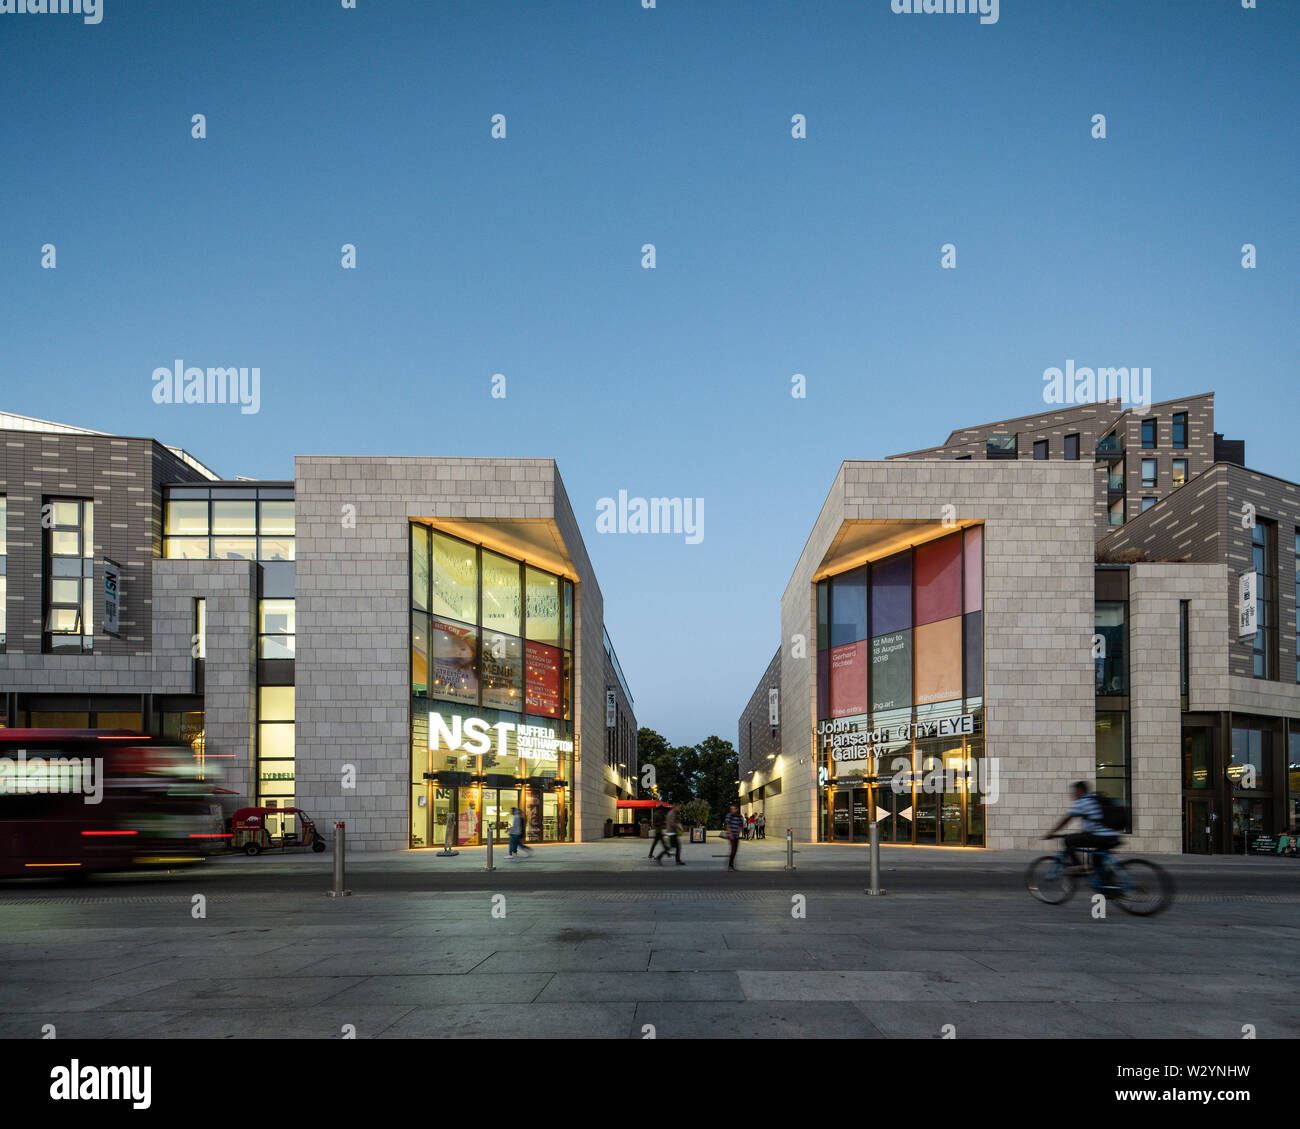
point(1139, 886)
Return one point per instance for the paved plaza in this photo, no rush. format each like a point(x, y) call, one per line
point(594, 941)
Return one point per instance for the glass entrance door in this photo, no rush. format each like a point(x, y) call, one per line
point(840, 815)
point(862, 812)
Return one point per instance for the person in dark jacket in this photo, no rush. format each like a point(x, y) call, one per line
point(657, 826)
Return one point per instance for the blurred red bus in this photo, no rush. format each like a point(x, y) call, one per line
point(80, 801)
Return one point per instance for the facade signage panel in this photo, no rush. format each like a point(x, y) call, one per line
point(774, 707)
point(477, 736)
point(611, 709)
point(891, 671)
point(1247, 605)
point(542, 685)
point(848, 743)
point(849, 679)
point(112, 595)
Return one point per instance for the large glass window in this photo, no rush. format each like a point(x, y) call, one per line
point(1180, 429)
point(502, 601)
point(1040, 449)
point(543, 607)
point(1179, 473)
point(1148, 433)
point(455, 579)
point(1000, 447)
point(276, 629)
point(1112, 755)
point(69, 574)
point(1264, 554)
point(1250, 768)
point(243, 523)
point(1149, 472)
point(1072, 447)
point(508, 662)
point(1115, 512)
point(1110, 658)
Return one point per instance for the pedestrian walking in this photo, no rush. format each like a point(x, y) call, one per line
point(657, 826)
point(752, 829)
point(735, 824)
point(517, 834)
point(674, 839)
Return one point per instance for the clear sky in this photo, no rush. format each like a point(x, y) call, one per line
point(627, 126)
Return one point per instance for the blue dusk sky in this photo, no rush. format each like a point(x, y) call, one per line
point(627, 126)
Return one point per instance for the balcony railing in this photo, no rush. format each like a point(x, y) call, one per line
point(1110, 445)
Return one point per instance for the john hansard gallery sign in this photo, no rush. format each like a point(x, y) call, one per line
point(849, 743)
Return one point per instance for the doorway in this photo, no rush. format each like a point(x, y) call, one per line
point(1197, 822)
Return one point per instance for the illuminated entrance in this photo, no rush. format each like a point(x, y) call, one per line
point(476, 810)
point(935, 798)
point(492, 640)
point(900, 695)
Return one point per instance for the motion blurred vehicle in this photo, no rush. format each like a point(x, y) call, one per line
point(75, 801)
point(269, 829)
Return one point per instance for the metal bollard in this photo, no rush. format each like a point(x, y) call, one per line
point(340, 853)
point(488, 843)
point(789, 849)
point(875, 890)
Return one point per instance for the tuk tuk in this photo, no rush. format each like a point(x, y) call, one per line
point(251, 834)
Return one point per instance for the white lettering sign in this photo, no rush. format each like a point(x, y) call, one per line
point(1247, 605)
point(473, 735)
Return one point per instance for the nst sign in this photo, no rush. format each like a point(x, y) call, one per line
point(476, 736)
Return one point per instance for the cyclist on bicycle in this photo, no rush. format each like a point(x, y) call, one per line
point(1095, 833)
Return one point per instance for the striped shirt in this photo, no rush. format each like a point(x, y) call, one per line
point(1089, 810)
point(734, 822)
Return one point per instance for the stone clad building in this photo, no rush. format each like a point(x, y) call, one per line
point(413, 645)
point(1039, 600)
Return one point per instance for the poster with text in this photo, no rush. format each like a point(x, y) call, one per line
point(848, 679)
point(543, 667)
point(891, 671)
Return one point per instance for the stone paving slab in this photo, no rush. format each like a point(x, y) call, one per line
point(795, 986)
point(542, 1020)
point(603, 987)
point(755, 1019)
point(428, 991)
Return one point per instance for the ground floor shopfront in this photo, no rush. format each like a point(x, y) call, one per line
point(917, 787)
point(1240, 782)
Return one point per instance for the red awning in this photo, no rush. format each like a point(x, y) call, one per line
point(642, 804)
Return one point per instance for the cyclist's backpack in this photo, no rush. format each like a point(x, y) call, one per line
point(1114, 815)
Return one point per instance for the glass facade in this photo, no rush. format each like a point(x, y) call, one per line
point(900, 696)
point(251, 523)
point(69, 575)
point(491, 694)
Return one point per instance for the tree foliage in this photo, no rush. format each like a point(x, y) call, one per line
point(705, 771)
